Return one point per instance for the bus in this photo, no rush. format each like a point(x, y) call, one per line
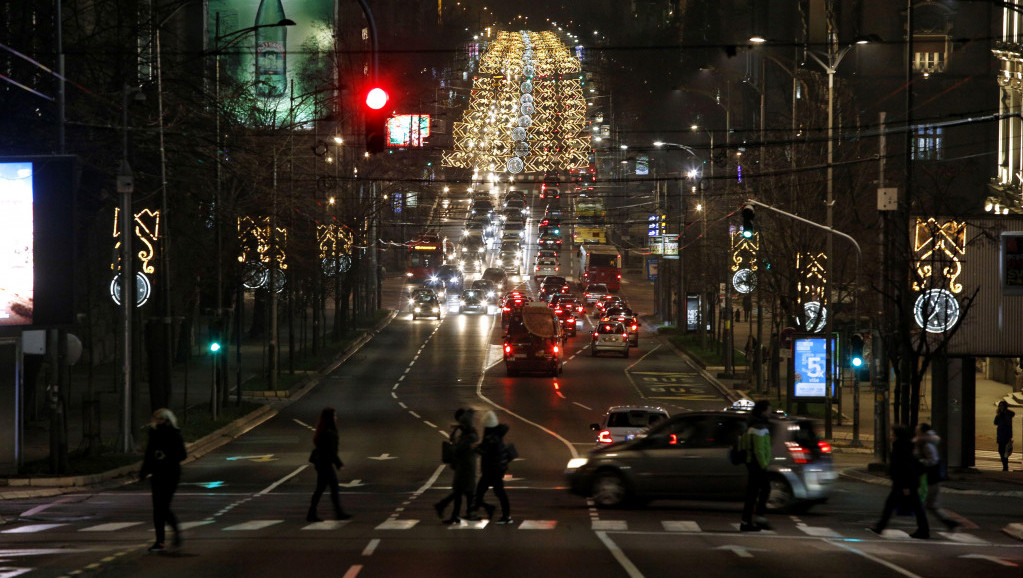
point(600, 264)
point(589, 222)
point(425, 254)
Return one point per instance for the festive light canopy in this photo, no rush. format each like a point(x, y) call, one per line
point(526, 111)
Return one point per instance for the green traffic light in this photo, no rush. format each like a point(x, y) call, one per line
point(214, 347)
point(747, 233)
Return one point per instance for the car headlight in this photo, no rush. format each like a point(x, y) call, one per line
point(417, 309)
point(481, 249)
point(435, 309)
point(576, 463)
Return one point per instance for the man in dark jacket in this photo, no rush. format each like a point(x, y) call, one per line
point(165, 451)
point(756, 442)
point(905, 474)
point(464, 438)
point(493, 465)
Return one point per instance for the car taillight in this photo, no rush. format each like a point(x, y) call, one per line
point(824, 446)
point(619, 275)
point(634, 327)
point(505, 309)
point(625, 335)
point(570, 320)
point(595, 334)
point(604, 437)
point(800, 455)
point(507, 348)
point(557, 311)
point(556, 349)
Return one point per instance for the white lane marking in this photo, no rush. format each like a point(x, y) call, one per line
point(353, 571)
point(402, 404)
point(271, 487)
point(538, 524)
point(620, 556)
point(582, 406)
point(303, 424)
point(190, 525)
point(431, 424)
point(110, 527)
point(559, 394)
point(818, 531)
point(875, 559)
point(397, 525)
point(394, 395)
point(41, 507)
point(371, 547)
point(610, 525)
point(32, 528)
point(252, 525)
point(414, 414)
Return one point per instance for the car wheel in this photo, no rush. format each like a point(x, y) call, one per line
point(781, 498)
point(609, 490)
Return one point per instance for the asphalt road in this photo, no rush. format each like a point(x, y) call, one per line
point(244, 504)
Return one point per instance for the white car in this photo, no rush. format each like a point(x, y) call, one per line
point(545, 267)
point(623, 422)
point(610, 336)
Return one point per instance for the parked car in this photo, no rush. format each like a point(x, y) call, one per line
point(686, 456)
point(623, 422)
point(610, 336)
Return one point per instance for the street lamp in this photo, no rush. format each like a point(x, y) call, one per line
point(681, 232)
point(830, 61)
point(219, 46)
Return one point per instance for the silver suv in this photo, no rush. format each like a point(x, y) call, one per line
point(686, 457)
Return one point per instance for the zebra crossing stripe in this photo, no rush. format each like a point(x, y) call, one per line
point(610, 525)
point(397, 525)
point(252, 525)
point(818, 531)
point(680, 526)
point(111, 527)
point(326, 525)
point(31, 528)
point(538, 525)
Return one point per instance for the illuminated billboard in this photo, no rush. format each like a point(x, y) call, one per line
point(408, 130)
point(280, 69)
point(36, 224)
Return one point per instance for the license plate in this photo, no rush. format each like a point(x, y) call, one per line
point(520, 356)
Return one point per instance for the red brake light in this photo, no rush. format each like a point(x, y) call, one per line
point(507, 348)
point(824, 446)
point(800, 455)
point(625, 335)
point(595, 334)
point(619, 275)
point(604, 437)
point(556, 349)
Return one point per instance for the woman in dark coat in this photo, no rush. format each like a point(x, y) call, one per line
point(464, 438)
point(492, 467)
point(1003, 432)
point(326, 461)
point(905, 473)
point(165, 450)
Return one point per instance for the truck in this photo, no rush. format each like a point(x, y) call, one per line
point(534, 342)
point(589, 221)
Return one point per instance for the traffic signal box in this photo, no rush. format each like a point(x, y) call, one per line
point(375, 114)
point(747, 221)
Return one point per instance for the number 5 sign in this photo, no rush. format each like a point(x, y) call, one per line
point(809, 362)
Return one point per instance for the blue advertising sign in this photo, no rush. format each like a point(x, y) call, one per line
point(809, 357)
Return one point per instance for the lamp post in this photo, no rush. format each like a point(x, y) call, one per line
point(681, 230)
point(703, 226)
point(219, 46)
point(829, 62)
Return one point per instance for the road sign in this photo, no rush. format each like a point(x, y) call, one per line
point(786, 336)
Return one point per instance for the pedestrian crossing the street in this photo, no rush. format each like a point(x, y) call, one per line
point(781, 528)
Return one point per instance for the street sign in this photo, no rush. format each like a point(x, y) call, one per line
point(809, 367)
point(786, 336)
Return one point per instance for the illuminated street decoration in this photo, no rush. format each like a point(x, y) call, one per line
point(744, 261)
point(938, 250)
point(147, 233)
point(526, 111)
point(259, 249)
point(335, 243)
point(811, 277)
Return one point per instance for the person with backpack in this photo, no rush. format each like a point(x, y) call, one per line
point(165, 450)
point(756, 444)
point(493, 465)
point(326, 461)
point(926, 441)
point(905, 472)
point(463, 439)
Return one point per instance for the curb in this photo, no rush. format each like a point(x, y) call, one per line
point(41, 487)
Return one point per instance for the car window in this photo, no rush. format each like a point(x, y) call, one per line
point(609, 328)
point(632, 418)
point(725, 431)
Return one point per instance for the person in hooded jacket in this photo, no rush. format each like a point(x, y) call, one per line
point(326, 461)
point(165, 450)
point(926, 441)
point(756, 441)
point(905, 473)
point(463, 437)
point(492, 467)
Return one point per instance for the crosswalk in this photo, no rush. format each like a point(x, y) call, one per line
point(799, 528)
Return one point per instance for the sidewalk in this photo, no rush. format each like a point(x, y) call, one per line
point(193, 377)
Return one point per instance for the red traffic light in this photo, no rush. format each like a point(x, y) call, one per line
point(377, 98)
